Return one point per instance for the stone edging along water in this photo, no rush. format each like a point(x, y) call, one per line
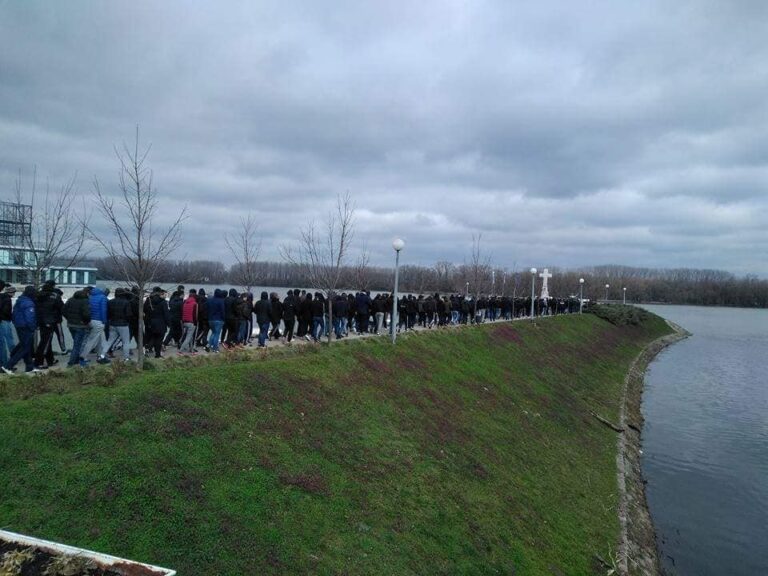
point(637, 552)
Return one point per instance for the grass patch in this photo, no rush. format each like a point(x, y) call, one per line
point(456, 452)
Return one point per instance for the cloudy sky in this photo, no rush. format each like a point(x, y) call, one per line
point(567, 133)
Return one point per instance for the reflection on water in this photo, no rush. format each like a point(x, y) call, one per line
point(705, 442)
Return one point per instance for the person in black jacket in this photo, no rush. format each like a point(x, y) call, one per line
point(340, 311)
point(202, 319)
point(77, 312)
point(119, 315)
point(263, 311)
point(305, 316)
point(174, 309)
point(318, 313)
point(232, 315)
point(246, 319)
point(289, 313)
point(48, 309)
point(7, 342)
point(276, 315)
point(58, 330)
point(159, 317)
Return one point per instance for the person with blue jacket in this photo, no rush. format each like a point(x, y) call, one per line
point(216, 317)
point(97, 300)
point(25, 321)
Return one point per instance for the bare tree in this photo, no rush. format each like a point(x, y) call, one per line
point(136, 246)
point(53, 232)
point(245, 247)
point(361, 270)
point(479, 270)
point(321, 252)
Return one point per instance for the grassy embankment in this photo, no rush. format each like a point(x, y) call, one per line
point(465, 451)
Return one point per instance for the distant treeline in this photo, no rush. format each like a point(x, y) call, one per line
point(674, 286)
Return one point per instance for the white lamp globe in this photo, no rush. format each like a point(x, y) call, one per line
point(533, 270)
point(398, 244)
point(581, 280)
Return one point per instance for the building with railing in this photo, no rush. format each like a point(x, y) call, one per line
point(18, 258)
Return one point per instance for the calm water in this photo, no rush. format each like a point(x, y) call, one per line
point(705, 443)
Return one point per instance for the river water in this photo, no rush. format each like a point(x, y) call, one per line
point(705, 443)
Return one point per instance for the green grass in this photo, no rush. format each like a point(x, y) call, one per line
point(459, 452)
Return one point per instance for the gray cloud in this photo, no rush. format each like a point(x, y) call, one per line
point(568, 133)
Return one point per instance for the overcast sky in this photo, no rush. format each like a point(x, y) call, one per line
point(567, 133)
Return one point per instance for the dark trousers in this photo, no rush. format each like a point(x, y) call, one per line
point(233, 329)
point(174, 333)
point(60, 336)
point(44, 350)
point(202, 333)
point(362, 322)
point(156, 343)
point(289, 321)
point(23, 349)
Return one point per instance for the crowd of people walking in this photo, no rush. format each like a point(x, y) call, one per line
point(191, 321)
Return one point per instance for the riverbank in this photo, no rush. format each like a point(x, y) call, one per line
point(638, 554)
point(473, 450)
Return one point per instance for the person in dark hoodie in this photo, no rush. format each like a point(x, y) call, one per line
point(25, 321)
point(175, 328)
point(119, 313)
point(77, 312)
point(58, 329)
point(203, 326)
point(47, 309)
point(246, 320)
point(289, 314)
point(318, 314)
point(263, 311)
point(232, 315)
point(159, 317)
point(215, 319)
point(7, 342)
point(276, 315)
point(340, 311)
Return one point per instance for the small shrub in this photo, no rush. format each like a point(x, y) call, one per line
point(619, 314)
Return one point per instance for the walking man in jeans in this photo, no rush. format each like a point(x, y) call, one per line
point(7, 342)
point(77, 311)
point(25, 321)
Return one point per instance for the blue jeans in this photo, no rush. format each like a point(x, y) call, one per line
point(213, 341)
point(78, 336)
point(24, 349)
point(263, 332)
point(242, 335)
point(317, 326)
point(6, 341)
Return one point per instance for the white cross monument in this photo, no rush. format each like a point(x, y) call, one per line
point(544, 288)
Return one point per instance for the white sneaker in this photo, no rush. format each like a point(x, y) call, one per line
point(6, 370)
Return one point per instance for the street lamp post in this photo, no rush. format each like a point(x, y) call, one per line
point(466, 294)
point(606, 292)
point(624, 290)
point(398, 245)
point(581, 294)
point(533, 292)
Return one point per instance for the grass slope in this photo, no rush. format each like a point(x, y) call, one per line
point(465, 451)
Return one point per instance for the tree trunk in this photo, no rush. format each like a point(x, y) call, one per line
point(140, 329)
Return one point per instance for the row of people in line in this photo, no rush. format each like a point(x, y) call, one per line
point(192, 320)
